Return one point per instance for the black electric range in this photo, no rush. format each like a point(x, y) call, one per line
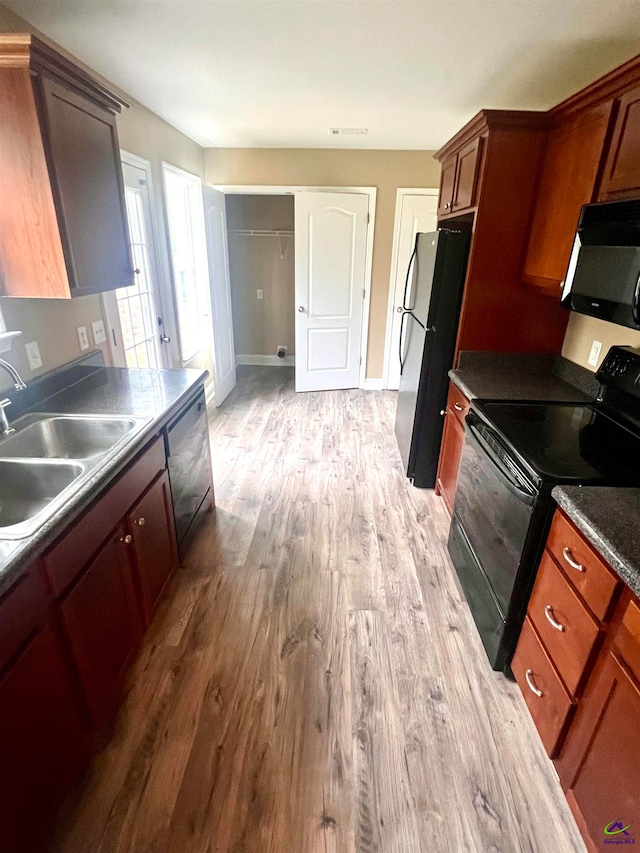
point(513, 455)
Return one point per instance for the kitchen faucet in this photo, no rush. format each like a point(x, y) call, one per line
point(19, 385)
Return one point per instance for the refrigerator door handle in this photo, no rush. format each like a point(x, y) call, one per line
point(406, 307)
point(401, 342)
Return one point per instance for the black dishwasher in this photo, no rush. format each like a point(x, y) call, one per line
point(189, 459)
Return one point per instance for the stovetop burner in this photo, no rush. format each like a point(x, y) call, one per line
point(566, 442)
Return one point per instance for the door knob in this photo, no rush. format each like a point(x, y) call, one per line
point(140, 521)
point(301, 309)
point(399, 309)
point(165, 339)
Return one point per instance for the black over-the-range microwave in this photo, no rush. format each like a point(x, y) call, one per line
point(603, 278)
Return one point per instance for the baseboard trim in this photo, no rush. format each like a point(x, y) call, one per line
point(373, 385)
point(266, 360)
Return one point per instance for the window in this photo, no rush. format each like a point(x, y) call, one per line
point(185, 217)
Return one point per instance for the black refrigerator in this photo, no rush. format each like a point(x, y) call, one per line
point(428, 329)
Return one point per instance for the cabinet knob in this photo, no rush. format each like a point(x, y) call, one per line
point(140, 521)
point(443, 412)
point(126, 539)
point(457, 407)
point(447, 206)
point(301, 309)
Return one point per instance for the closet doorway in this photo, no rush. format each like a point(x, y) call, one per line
point(300, 271)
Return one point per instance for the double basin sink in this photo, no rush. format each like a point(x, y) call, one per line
point(47, 459)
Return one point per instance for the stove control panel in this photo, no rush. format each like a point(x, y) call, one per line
point(621, 369)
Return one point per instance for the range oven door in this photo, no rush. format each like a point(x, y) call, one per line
point(494, 507)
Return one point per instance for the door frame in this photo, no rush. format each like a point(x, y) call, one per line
point(160, 263)
point(372, 192)
point(393, 271)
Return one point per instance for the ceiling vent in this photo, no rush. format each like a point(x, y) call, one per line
point(348, 131)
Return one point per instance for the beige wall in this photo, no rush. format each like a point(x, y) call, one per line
point(582, 331)
point(53, 322)
point(265, 262)
point(386, 170)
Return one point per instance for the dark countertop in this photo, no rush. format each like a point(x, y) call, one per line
point(152, 395)
point(609, 517)
point(512, 385)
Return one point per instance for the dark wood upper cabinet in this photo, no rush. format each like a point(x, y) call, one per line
point(621, 177)
point(568, 180)
point(447, 184)
point(63, 225)
point(466, 175)
point(81, 143)
point(154, 543)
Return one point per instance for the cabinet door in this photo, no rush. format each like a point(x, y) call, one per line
point(622, 171)
point(81, 145)
point(154, 543)
point(449, 463)
point(568, 180)
point(447, 182)
point(467, 174)
point(605, 789)
point(103, 624)
point(42, 734)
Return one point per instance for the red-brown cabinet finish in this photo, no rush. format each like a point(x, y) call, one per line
point(102, 620)
point(621, 177)
point(43, 732)
point(81, 142)
point(464, 195)
point(154, 543)
point(447, 183)
point(451, 448)
point(569, 175)
point(604, 789)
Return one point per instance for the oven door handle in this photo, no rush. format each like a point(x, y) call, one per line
point(503, 473)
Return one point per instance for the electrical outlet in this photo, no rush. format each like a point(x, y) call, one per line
point(260, 293)
point(594, 355)
point(33, 355)
point(83, 339)
point(99, 334)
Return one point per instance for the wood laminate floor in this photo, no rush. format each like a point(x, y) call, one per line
point(314, 682)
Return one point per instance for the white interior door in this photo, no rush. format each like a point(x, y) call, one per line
point(418, 212)
point(330, 249)
point(224, 357)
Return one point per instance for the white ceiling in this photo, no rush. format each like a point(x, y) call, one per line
point(279, 74)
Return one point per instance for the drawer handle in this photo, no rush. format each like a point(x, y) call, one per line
point(457, 407)
point(566, 553)
point(531, 685)
point(548, 612)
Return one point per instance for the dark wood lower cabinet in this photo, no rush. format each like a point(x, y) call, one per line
point(102, 622)
point(603, 788)
point(154, 543)
point(449, 464)
point(43, 736)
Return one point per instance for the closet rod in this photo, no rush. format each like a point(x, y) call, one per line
point(256, 233)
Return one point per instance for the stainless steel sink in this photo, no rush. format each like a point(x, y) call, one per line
point(64, 436)
point(30, 491)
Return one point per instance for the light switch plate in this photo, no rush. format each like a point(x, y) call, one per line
point(99, 334)
point(594, 355)
point(260, 293)
point(33, 355)
point(83, 338)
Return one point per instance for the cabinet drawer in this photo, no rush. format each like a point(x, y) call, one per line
point(549, 703)
point(565, 626)
point(22, 610)
point(457, 403)
point(586, 570)
point(66, 559)
point(627, 639)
